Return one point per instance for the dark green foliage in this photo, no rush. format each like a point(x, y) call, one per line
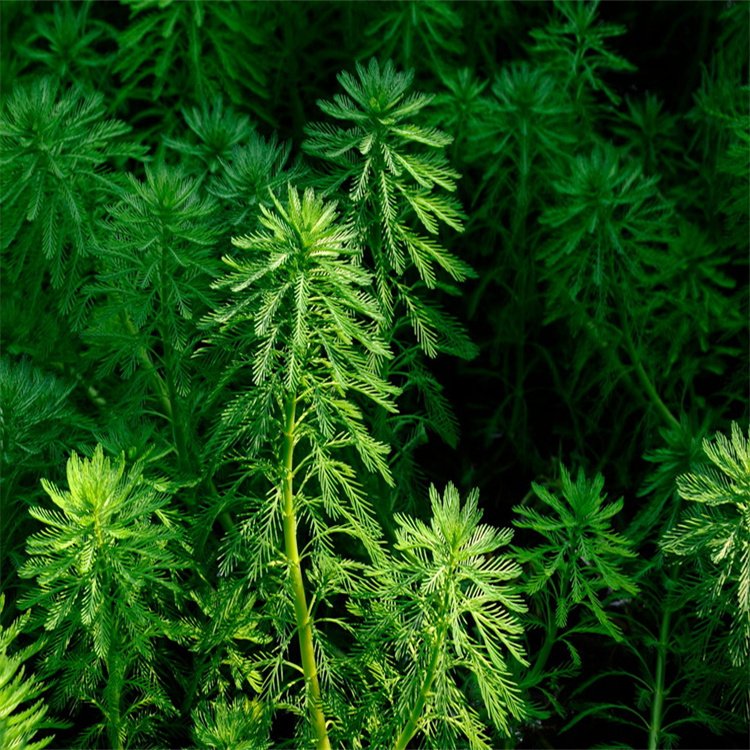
point(215, 131)
point(64, 41)
point(55, 142)
point(523, 129)
point(155, 264)
point(521, 228)
point(650, 133)
point(193, 49)
point(575, 576)
point(250, 175)
point(581, 555)
point(408, 32)
point(680, 451)
point(608, 232)
point(456, 108)
point(156, 261)
point(37, 423)
point(576, 45)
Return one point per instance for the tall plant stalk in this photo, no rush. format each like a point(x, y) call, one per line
point(657, 705)
point(301, 608)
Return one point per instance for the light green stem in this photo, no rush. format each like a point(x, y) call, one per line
point(415, 714)
point(301, 610)
point(412, 722)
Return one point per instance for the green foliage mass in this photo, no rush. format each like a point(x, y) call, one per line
point(715, 534)
point(273, 272)
point(23, 713)
point(105, 565)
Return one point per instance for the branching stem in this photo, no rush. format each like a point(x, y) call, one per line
point(550, 637)
point(160, 388)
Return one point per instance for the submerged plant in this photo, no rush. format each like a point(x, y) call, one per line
point(397, 189)
point(56, 142)
point(572, 575)
point(411, 31)
point(247, 312)
point(302, 326)
point(446, 606)
point(23, 711)
point(155, 264)
point(396, 175)
point(106, 567)
point(714, 532)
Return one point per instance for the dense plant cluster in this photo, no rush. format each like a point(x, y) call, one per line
point(374, 374)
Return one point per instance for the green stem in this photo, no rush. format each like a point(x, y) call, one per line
point(641, 373)
point(160, 388)
point(550, 637)
point(164, 391)
point(543, 654)
point(113, 696)
point(178, 429)
point(301, 610)
point(648, 386)
point(657, 707)
point(415, 714)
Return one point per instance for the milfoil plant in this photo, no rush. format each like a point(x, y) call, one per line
point(389, 169)
point(303, 327)
point(239, 542)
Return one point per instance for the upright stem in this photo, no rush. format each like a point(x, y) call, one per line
point(178, 429)
point(412, 722)
point(550, 636)
point(657, 706)
point(301, 610)
point(160, 388)
point(165, 392)
point(641, 374)
point(113, 696)
point(415, 714)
